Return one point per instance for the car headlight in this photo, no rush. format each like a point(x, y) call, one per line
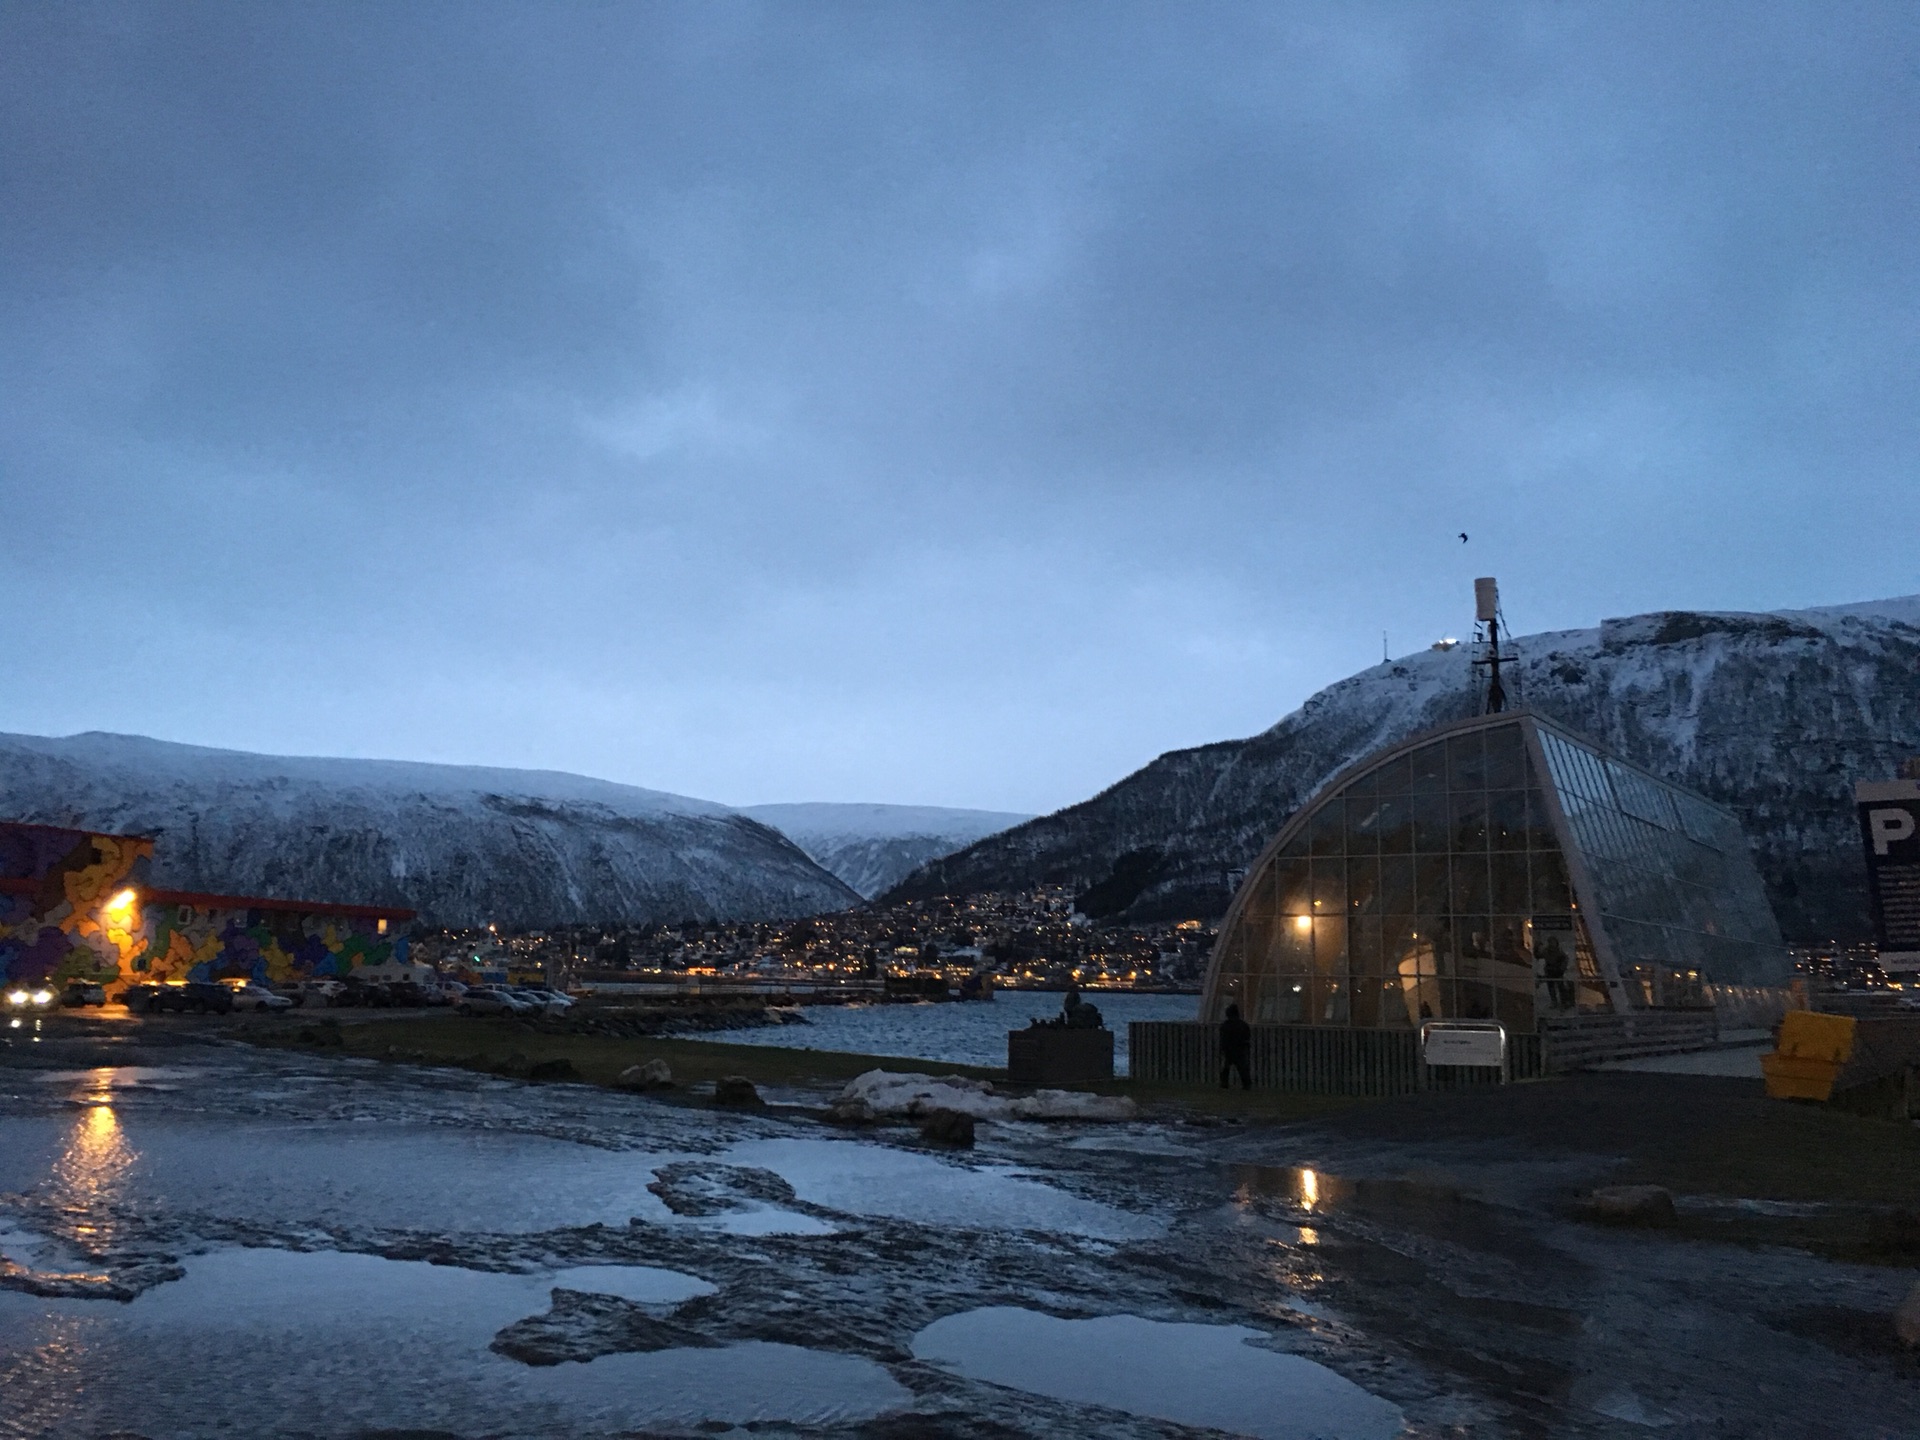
point(16, 997)
point(42, 997)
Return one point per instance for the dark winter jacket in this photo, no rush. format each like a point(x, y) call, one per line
point(1236, 1037)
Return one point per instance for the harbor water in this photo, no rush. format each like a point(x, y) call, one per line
point(957, 1032)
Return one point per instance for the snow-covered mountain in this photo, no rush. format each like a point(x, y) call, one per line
point(461, 844)
point(875, 847)
point(1774, 714)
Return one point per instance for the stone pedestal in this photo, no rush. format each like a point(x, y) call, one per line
point(1043, 1055)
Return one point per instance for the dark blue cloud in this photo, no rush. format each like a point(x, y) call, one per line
point(939, 403)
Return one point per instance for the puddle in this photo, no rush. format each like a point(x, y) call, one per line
point(1202, 1375)
point(766, 1220)
point(1128, 1141)
point(642, 1284)
point(305, 1290)
point(408, 1176)
point(745, 1384)
point(1316, 1192)
point(122, 1077)
point(34, 1252)
point(870, 1179)
point(350, 1337)
point(1772, 1209)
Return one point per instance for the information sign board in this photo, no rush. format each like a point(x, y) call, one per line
point(1442, 1043)
point(1890, 834)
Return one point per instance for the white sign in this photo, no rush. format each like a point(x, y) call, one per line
point(1444, 1044)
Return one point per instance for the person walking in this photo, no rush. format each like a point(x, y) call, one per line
point(1236, 1045)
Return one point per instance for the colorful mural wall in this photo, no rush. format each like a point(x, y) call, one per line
point(75, 905)
point(215, 937)
point(69, 903)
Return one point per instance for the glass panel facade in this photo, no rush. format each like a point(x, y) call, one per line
point(1675, 889)
point(1432, 885)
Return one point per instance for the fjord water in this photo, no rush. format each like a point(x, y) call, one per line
point(969, 1033)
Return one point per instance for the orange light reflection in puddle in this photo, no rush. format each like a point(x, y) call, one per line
point(97, 1156)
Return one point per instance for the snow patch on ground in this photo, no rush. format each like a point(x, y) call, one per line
point(912, 1096)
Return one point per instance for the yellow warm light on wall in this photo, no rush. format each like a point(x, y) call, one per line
point(123, 903)
point(1303, 922)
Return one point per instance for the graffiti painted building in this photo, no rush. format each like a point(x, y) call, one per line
point(76, 905)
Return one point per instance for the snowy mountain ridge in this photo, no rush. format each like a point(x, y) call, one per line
point(1772, 713)
point(874, 847)
point(464, 845)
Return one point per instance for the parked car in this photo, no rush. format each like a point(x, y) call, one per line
point(139, 997)
point(363, 994)
point(542, 999)
point(320, 992)
point(405, 992)
point(490, 1001)
point(199, 997)
point(257, 998)
point(82, 992)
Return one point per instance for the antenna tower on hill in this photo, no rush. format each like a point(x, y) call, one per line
point(1486, 638)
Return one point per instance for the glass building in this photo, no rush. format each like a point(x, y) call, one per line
point(1499, 868)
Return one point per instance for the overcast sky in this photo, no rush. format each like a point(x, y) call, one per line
point(936, 404)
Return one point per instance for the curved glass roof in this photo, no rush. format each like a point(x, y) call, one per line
point(1503, 868)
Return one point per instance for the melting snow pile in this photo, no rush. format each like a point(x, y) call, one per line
point(886, 1093)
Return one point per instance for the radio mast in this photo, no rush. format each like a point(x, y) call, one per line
point(1486, 616)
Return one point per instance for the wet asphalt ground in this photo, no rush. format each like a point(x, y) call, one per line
point(205, 1238)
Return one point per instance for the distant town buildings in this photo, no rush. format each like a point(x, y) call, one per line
point(1032, 938)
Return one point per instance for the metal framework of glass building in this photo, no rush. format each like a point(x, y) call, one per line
point(1499, 868)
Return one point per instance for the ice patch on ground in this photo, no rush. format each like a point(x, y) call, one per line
point(891, 1093)
point(866, 1179)
point(1202, 1375)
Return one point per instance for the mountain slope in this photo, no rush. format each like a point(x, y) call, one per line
point(1775, 715)
point(464, 845)
point(874, 847)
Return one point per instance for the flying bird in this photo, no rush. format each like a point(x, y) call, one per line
point(1463, 537)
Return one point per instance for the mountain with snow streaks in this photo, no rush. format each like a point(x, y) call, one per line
point(464, 845)
point(1774, 715)
point(874, 847)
